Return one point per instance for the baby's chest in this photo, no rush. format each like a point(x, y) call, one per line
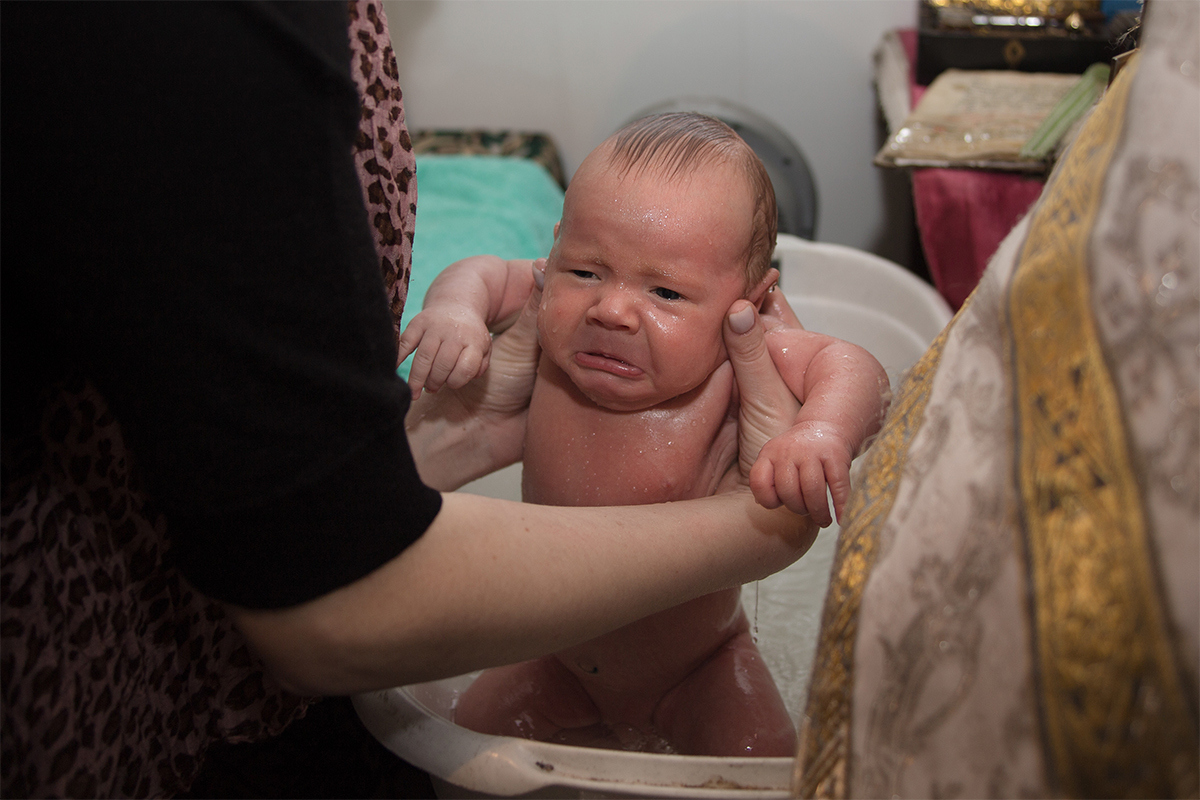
point(576, 456)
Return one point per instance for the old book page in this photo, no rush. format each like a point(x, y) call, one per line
point(977, 118)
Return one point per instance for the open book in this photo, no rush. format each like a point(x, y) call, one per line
point(992, 119)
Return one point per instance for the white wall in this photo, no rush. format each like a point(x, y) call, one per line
point(578, 69)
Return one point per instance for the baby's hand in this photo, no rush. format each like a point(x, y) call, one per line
point(795, 468)
point(452, 345)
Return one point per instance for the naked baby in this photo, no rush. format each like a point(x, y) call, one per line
point(665, 226)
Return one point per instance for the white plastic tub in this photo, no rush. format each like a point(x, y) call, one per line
point(837, 290)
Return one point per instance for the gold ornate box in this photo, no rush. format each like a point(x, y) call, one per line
point(1026, 35)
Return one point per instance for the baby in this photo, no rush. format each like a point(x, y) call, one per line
point(664, 227)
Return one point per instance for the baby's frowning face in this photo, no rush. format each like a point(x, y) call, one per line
point(643, 271)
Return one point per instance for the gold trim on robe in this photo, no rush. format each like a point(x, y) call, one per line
point(1114, 715)
point(823, 760)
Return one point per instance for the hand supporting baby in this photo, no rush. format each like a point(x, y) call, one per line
point(793, 468)
point(763, 396)
point(844, 392)
point(483, 420)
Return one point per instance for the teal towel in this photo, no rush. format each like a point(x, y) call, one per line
point(471, 205)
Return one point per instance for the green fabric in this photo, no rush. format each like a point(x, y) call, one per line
point(470, 205)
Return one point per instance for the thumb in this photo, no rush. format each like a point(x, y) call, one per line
point(766, 405)
point(515, 352)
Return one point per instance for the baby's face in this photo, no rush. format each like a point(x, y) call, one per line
point(641, 276)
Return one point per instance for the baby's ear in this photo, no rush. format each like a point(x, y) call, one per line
point(769, 280)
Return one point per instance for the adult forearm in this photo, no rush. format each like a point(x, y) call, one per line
point(493, 582)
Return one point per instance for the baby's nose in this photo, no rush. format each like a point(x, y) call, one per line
point(615, 309)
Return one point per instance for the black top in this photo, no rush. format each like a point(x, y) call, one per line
point(183, 224)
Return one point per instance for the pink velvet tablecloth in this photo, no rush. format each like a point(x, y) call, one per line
point(963, 214)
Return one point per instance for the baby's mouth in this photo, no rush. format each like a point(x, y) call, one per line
point(607, 363)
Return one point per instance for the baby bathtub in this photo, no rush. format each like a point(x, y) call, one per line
point(837, 290)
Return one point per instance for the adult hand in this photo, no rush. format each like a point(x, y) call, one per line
point(766, 405)
point(460, 434)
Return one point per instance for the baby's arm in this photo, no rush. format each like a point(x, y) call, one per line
point(844, 394)
point(464, 304)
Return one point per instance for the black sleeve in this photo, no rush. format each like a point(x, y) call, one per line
point(183, 223)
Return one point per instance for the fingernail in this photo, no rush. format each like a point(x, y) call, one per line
point(742, 321)
point(539, 273)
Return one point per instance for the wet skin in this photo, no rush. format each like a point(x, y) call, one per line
point(633, 404)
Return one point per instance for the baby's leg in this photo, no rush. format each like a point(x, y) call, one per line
point(534, 700)
point(729, 706)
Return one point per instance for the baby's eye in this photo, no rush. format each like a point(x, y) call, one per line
point(582, 273)
point(667, 294)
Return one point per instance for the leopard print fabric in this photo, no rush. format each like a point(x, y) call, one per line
point(383, 151)
point(115, 675)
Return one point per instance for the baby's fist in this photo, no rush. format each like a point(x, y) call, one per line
point(798, 467)
point(452, 346)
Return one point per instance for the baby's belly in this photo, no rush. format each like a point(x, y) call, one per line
point(629, 670)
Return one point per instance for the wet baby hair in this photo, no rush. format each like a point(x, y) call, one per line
point(679, 141)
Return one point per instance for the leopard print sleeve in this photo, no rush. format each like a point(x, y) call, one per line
point(383, 153)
